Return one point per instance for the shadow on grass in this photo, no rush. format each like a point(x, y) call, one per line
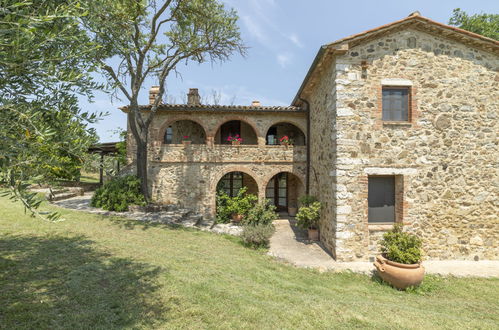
point(61, 282)
point(131, 224)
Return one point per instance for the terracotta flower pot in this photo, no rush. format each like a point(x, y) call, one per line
point(236, 143)
point(313, 234)
point(186, 142)
point(236, 218)
point(292, 211)
point(401, 276)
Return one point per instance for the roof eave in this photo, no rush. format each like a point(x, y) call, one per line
point(344, 43)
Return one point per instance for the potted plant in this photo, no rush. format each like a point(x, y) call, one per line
point(308, 218)
point(400, 261)
point(239, 205)
point(292, 209)
point(236, 139)
point(186, 140)
point(285, 141)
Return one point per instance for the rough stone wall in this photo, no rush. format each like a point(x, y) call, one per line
point(323, 153)
point(447, 155)
point(188, 175)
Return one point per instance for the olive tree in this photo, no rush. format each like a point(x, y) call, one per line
point(45, 62)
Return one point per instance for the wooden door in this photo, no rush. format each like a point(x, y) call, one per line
point(277, 192)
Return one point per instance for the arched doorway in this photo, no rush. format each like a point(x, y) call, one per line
point(236, 128)
point(232, 182)
point(283, 191)
point(279, 130)
point(182, 130)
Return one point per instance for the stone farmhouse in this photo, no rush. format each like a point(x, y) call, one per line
point(398, 124)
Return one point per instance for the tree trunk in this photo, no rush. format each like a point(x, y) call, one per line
point(142, 165)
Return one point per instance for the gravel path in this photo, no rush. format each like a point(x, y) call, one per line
point(182, 217)
point(289, 244)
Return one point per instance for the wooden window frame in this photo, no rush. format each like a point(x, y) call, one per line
point(394, 177)
point(409, 103)
point(230, 180)
point(168, 134)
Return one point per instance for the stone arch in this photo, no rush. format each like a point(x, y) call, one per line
point(296, 126)
point(220, 174)
point(241, 119)
point(268, 177)
point(226, 170)
point(169, 122)
point(294, 189)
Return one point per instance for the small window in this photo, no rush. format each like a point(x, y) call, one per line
point(272, 136)
point(169, 135)
point(231, 183)
point(381, 199)
point(396, 103)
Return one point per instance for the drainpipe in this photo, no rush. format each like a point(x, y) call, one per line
point(307, 173)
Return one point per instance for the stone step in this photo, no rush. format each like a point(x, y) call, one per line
point(61, 196)
point(65, 193)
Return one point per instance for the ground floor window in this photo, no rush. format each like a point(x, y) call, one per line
point(381, 199)
point(231, 183)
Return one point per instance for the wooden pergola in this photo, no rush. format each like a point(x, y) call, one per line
point(104, 149)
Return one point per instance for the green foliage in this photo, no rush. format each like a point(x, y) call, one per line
point(260, 214)
point(400, 246)
point(121, 145)
point(45, 64)
point(118, 194)
point(239, 204)
point(148, 40)
point(484, 24)
point(308, 216)
point(257, 236)
point(306, 200)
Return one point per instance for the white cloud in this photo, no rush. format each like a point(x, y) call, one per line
point(295, 40)
point(284, 59)
point(255, 29)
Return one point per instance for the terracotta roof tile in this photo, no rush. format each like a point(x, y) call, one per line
point(216, 108)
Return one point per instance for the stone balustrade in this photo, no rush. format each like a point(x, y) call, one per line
point(201, 153)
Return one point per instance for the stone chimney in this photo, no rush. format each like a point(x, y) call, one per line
point(256, 103)
point(152, 94)
point(193, 97)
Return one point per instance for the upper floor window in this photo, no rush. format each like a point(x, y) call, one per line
point(396, 103)
point(169, 135)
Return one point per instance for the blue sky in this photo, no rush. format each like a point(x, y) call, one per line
point(283, 36)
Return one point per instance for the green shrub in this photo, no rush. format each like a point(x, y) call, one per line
point(118, 194)
point(260, 214)
point(306, 200)
point(257, 236)
point(240, 204)
point(308, 216)
point(401, 247)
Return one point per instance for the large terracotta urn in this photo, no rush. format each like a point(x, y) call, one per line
point(237, 218)
point(401, 276)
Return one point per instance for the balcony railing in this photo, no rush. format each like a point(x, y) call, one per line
point(202, 153)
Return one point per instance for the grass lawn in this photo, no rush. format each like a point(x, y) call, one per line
point(95, 272)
